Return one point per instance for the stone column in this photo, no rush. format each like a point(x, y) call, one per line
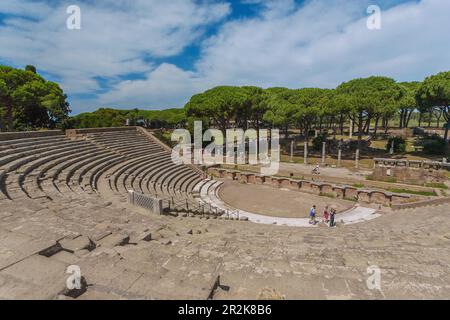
point(305, 156)
point(357, 159)
point(351, 129)
point(339, 157)
point(392, 148)
point(324, 146)
point(292, 151)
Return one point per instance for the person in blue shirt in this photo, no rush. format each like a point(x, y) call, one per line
point(312, 215)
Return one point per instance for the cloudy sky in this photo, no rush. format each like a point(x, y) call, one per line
point(155, 54)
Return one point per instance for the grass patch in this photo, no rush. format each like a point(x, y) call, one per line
point(437, 185)
point(328, 195)
point(358, 185)
point(388, 180)
point(419, 193)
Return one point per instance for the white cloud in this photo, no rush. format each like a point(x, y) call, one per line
point(163, 86)
point(115, 37)
point(322, 44)
point(319, 43)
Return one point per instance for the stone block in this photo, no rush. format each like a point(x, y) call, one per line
point(295, 185)
point(114, 240)
point(351, 193)
point(251, 178)
point(36, 277)
point(380, 198)
point(79, 243)
point(364, 196)
point(306, 186)
point(327, 188)
point(285, 183)
point(260, 179)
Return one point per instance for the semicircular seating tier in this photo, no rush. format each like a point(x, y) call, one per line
point(89, 164)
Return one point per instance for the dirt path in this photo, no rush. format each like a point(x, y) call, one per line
point(301, 169)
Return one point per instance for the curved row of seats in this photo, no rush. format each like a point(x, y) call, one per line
point(104, 164)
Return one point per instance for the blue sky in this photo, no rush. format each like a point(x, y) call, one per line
point(155, 54)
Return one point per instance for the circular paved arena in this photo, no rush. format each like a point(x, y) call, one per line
point(266, 200)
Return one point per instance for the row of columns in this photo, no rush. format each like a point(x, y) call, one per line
point(305, 152)
point(324, 146)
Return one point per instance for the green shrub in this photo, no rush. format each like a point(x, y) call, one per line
point(165, 137)
point(433, 145)
point(399, 144)
point(318, 141)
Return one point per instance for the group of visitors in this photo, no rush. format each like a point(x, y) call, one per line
point(328, 216)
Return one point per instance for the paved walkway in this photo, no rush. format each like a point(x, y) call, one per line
point(355, 215)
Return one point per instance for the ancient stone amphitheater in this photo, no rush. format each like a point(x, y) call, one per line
point(65, 202)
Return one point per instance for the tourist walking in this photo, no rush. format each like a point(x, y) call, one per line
point(326, 215)
point(312, 215)
point(316, 169)
point(332, 217)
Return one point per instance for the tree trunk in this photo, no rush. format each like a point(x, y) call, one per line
point(408, 119)
point(257, 139)
point(320, 125)
point(369, 121)
point(366, 125)
point(446, 114)
point(9, 119)
point(402, 113)
point(341, 124)
point(360, 129)
point(405, 119)
point(386, 124)
point(377, 119)
point(447, 147)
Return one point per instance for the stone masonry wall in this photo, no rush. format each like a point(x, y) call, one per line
point(318, 188)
